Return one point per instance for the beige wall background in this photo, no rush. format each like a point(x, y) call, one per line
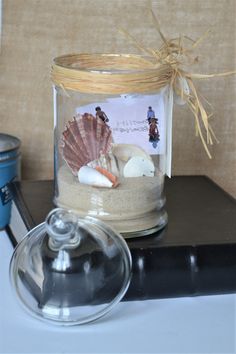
point(35, 31)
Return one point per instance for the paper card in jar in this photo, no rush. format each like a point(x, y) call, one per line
point(135, 119)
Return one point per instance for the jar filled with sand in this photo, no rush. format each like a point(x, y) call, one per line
point(111, 124)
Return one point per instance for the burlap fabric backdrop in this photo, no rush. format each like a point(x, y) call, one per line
point(35, 31)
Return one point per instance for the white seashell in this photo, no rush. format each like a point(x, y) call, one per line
point(181, 85)
point(124, 152)
point(139, 166)
point(84, 140)
point(110, 162)
point(102, 161)
point(90, 176)
point(115, 160)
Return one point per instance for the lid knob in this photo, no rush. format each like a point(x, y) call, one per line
point(62, 228)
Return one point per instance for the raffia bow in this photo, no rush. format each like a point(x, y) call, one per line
point(175, 56)
point(112, 74)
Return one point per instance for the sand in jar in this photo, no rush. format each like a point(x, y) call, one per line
point(117, 183)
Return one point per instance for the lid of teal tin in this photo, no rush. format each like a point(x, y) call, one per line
point(8, 143)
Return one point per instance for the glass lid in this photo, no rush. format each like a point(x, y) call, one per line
point(70, 269)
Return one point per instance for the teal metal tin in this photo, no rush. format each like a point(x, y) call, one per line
point(9, 169)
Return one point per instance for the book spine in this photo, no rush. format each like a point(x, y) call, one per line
point(182, 271)
point(21, 205)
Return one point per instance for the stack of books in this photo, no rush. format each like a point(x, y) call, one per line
point(195, 254)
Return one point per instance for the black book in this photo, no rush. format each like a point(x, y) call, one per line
point(195, 254)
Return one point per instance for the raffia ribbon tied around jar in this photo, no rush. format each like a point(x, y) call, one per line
point(115, 74)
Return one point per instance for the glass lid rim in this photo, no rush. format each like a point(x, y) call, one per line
point(41, 231)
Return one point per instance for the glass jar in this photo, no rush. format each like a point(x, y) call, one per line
point(112, 124)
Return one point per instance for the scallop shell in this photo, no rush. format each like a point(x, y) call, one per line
point(85, 139)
